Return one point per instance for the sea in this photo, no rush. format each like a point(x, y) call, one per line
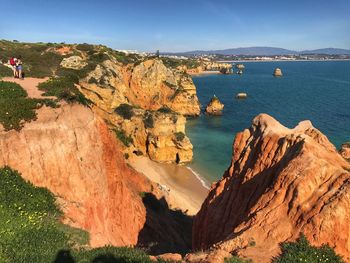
point(309, 90)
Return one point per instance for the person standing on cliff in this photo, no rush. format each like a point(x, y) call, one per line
point(13, 65)
point(19, 68)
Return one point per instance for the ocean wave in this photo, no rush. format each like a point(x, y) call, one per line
point(201, 179)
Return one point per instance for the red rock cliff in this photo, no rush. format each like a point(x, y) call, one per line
point(281, 182)
point(71, 152)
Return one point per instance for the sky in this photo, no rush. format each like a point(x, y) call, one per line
point(180, 25)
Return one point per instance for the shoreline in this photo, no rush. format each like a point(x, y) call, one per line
point(186, 189)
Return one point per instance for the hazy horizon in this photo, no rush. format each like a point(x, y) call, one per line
point(183, 25)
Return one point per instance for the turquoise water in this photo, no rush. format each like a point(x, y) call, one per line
point(317, 91)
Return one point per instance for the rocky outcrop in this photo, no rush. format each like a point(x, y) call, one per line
point(148, 88)
point(214, 107)
point(71, 151)
point(281, 183)
point(345, 150)
point(73, 62)
point(277, 72)
point(160, 135)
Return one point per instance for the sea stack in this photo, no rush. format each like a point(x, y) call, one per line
point(277, 72)
point(214, 107)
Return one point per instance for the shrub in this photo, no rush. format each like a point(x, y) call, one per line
point(302, 251)
point(170, 85)
point(16, 107)
point(165, 109)
point(125, 110)
point(85, 47)
point(180, 136)
point(5, 71)
point(148, 121)
point(112, 254)
point(236, 260)
point(121, 135)
point(64, 89)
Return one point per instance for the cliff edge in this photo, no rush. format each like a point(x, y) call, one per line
point(281, 183)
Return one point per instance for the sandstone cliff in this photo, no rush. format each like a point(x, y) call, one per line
point(281, 183)
point(345, 150)
point(71, 152)
point(156, 94)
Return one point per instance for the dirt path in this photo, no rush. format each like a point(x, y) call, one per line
point(31, 86)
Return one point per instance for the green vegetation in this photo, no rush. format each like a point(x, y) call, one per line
point(174, 63)
point(302, 251)
point(125, 110)
point(39, 60)
point(5, 71)
point(170, 85)
point(64, 89)
point(112, 254)
point(165, 109)
point(16, 108)
point(179, 136)
point(176, 93)
point(125, 139)
point(30, 230)
point(85, 47)
point(28, 221)
point(148, 120)
point(236, 260)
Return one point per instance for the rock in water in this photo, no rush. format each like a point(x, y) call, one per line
point(214, 107)
point(241, 95)
point(277, 72)
point(345, 151)
point(281, 183)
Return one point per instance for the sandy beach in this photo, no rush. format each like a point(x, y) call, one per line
point(186, 191)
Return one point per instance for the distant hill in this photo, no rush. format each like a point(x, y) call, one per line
point(265, 51)
point(327, 51)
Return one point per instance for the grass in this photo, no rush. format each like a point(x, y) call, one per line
point(30, 230)
point(125, 139)
point(302, 251)
point(15, 106)
point(38, 61)
point(28, 221)
point(64, 89)
point(235, 259)
point(5, 71)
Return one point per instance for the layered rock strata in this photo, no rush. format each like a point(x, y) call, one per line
point(281, 183)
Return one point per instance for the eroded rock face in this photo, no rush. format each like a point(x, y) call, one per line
point(73, 62)
point(149, 86)
point(281, 183)
point(70, 151)
point(215, 107)
point(345, 151)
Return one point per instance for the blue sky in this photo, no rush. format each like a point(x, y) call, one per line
point(179, 25)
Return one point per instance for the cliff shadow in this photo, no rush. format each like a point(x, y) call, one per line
point(165, 230)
